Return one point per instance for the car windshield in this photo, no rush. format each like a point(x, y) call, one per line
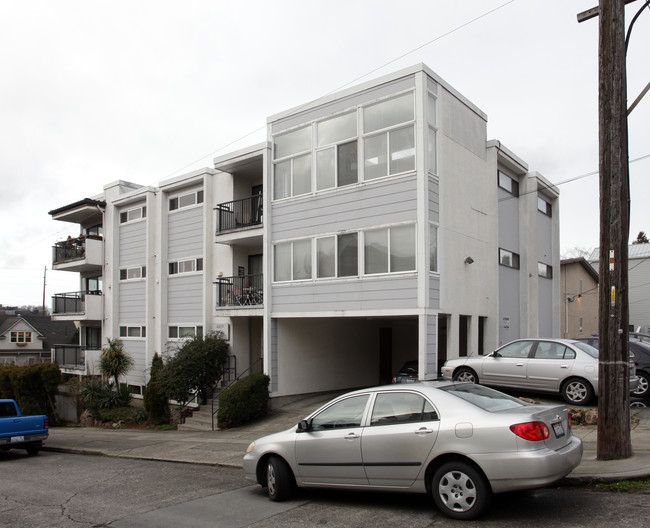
point(487, 399)
point(593, 352)
point(410, 367)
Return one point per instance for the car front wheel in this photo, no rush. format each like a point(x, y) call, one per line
point(278, 479)
point(460, 491)
point(577, 391)
point(642, 389)
point(465, 374)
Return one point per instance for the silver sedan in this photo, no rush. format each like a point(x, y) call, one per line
point(564, 366)
point(458, 442)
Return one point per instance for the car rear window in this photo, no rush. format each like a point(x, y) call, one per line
point(487, 399)
point(593, 352)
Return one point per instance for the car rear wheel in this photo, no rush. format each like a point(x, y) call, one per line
point(460, 491)
point(465, 374)
point(577, 391)
point(278, 479)
point(642, 389)
point(33, 448)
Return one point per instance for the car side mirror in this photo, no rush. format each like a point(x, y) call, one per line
point(304, 426)
point(496, 354)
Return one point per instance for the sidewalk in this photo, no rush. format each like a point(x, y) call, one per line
point(227, 448)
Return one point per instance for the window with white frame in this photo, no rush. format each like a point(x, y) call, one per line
point(544, 270)
point(389, 250)
point(433, 248)
point(133, 331)
point(185, 200)
point(20, 337)
point(508, 184)
point(336, 157)
point(543, 206)
point(133, 273)
point(292, 169)
point(184, 331)
point(337, 256)
point(508, 258)
point(185, 266)
point(432, 132)
point(133, 214)
point(389, 137)
point(292, 261)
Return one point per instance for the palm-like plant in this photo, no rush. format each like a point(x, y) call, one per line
point(114, 361)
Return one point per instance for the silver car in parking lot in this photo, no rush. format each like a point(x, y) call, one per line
point(458, 442)
point(564, 366)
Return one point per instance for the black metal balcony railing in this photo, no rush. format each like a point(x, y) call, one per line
point(71, 249)
point(243, 290)
point(239, 213)
point(71, 303)
point(69, 355)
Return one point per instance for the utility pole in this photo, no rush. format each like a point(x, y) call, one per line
point(613, 375)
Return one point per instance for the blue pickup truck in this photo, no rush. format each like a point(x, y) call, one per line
point(21, 432)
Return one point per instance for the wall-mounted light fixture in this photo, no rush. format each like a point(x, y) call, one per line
point(469, 260)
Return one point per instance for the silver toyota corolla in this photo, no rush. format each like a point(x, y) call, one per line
point(564, 366)
point(458, 442)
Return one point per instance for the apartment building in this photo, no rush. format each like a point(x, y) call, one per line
point(374, 226)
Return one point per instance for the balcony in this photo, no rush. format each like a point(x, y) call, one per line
point(69, 356)
point(84, 253)
point(240, 291)
point(77, 306)
point(239, 214)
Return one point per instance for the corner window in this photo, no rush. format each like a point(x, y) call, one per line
point(433, 248)
point(292, 261)
point(186, 266)
point(133, 214)
point(508, 184)
point(543, 206)
point(432, 131)
point(389, 250)
point(138, 272)
point(185, 200)
point(133, 331)
point(336, 159)
point(508, 259)
point(185, 332)
point(544, 270)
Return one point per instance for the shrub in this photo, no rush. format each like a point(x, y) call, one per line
point(123, 414)
point(98, 395)
point(32, 386)
point(155, 399)
point(245, 400)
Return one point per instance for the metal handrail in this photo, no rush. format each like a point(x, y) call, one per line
point(214, 411)
point(240, 290)
point(240, 213)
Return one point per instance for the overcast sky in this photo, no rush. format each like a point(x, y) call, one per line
point(96, 91)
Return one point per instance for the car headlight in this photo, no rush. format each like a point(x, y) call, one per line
point(250, 447)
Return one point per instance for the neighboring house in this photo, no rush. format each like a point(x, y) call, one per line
point(26, 340)
point(638, 265)
point(579, 287)
point(376, 225)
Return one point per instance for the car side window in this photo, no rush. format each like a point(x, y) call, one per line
point(517, 350)
point(548, 350)
point(345, 413)
point(401, 407)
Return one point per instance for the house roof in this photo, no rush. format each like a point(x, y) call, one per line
point(51, 332)
point(582, 262)
point(634, 251)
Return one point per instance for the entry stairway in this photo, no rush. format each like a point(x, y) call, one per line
point(201, 419)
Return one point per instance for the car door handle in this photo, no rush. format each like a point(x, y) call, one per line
point(564, 366)
point(423, 431)
point(351, 436)
point(520, 364)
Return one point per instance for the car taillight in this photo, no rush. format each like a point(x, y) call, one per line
point(533, 431)
point(569, 420)
point(47, 423)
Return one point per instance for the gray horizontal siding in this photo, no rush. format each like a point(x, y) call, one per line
point(434, 200)
point(432, 345)
point(434, 293)
point(133, 248)
point(137, 349)
point(185, 233)
point(347, 208)
point(396, 292)
point(132, 303)
point(185, 299)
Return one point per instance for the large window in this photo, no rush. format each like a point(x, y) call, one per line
point(331, 148)
point(544, 270)
point(292, 261)
point(133, 331)
point(432, 131)
point(21, 337)
point(433, 248)
point(389, 147)
point(543, 206)
point(185, 331)
point(186, 266)
point(508, 184)
point(389, 250)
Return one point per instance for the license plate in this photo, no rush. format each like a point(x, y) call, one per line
point(17, 438)
point(558, 429)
